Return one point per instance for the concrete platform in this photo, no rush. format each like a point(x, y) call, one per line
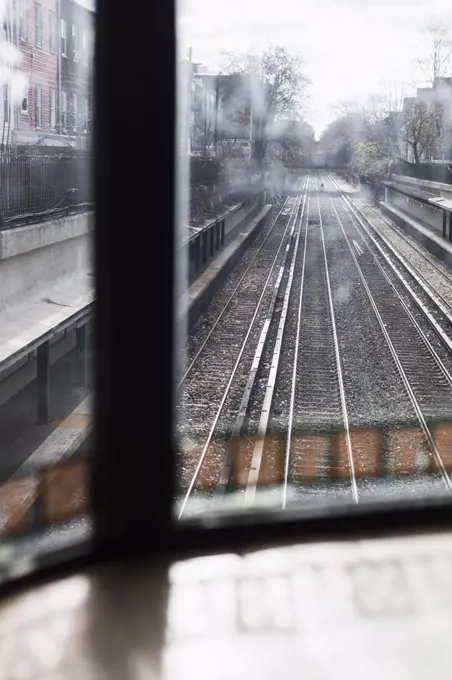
point(425, 185)
point(348, 188)
point(413, 190)
point(419, 204)
point(21, 490)
point(441, 202)
point(34, 257)
point(27, 324)
point(422, 232)
point(201, 291)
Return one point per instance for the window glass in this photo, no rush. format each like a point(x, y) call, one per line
point(38, 106)
point(52, 108)
point(46, 300)
point(52, 30)
point(6, 103)
point(63, 38)
point(74, 111)
point(38, 24)
point(314, 269)
point(63, 110)
point(74, 42)
point(24, 102)
point(23, 19)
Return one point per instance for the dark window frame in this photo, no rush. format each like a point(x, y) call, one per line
point(133, 464)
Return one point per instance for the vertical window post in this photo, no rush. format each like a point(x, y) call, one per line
point(143, 519)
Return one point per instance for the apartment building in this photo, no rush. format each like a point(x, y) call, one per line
point(46, 60)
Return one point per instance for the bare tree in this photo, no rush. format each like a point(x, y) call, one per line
point(438, 61)
point(278, 88)
point(418, 129)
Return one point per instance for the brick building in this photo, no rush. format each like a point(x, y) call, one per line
point(437, 101)
point(46, 67)
point(35, 109)
point(223, 112)
point(76, 46)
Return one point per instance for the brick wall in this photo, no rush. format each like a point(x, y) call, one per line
point(76, 65)
point(39, 64)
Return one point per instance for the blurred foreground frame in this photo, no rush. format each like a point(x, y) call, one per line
point(133, 461)
point(132, 479)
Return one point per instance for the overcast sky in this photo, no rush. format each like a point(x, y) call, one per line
point(351, 48)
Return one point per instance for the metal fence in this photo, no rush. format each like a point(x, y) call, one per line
point(434, 172)
point(38, 187)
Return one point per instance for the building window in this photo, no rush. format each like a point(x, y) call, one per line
point(38, 106)
point(74, 42)
point(85, 114)
point(52, 31)
point(74, 110)
point(38, 24)
point(24, 103)
point(23, 28)
point(6, 103)
point(63, 38)
point(52, 108)
point(85, 45)
point(63, 113)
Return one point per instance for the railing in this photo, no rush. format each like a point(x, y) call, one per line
point(36, 188)
point(433, 172)
point(68, 206)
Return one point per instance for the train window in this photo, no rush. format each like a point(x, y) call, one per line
point(46, 302)
point(314, 289)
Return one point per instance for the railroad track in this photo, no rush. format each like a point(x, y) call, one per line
point(426, 378)
point(423, 277)
point(215, 375)
point(307, 400)
point(340, 332)
point(258, 258)
point(317, 402)
point(422, 262)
